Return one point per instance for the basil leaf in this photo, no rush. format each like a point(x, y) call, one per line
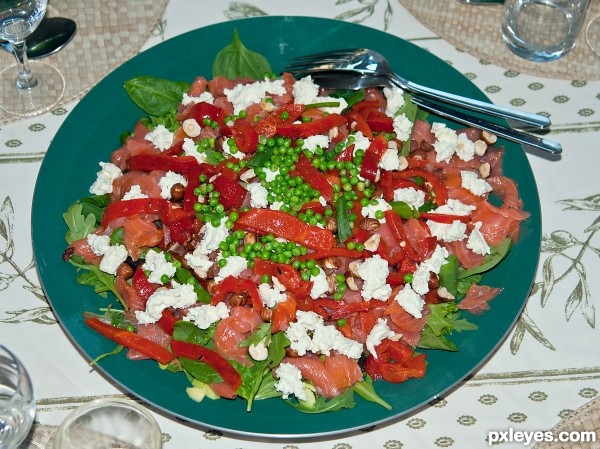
point(155, 96)
point(236, 61)
point(342, 220)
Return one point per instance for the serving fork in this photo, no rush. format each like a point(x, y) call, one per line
point(360, 68)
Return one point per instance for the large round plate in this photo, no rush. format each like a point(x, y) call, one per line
point(91, 133)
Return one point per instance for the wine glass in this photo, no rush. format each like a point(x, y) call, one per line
point(592, 34)
point(17, 404)
point(26, 88)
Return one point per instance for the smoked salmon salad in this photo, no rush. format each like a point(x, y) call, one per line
point(269, 239)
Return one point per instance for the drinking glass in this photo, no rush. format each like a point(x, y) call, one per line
point(17, 404)
point(26, 88)
point(542, 30)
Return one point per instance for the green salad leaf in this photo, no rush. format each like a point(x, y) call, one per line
point(441, 322)
point(155, 96)
point(237, 61)
point(366, 391)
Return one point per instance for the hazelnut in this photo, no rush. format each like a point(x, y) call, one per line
point(484, 170)
point(238, 299)
point(331, 262)
point(488, 137)
point(265, 314)
point(125, 270)
point(369, 224)
point(177, 191)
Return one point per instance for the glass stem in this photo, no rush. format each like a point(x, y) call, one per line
point(26, 79)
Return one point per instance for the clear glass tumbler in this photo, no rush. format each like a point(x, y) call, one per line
point(17, 403)
point(542, 30)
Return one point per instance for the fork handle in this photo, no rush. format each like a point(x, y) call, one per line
point(516, 116)
point(513, 135)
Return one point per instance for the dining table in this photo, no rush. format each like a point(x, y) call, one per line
point(543, 377)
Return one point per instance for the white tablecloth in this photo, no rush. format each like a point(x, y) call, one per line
point(548, 367)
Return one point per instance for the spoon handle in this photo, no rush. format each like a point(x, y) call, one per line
point(513, 135)
point(515, 116)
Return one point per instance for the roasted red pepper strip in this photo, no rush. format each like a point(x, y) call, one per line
point(141, 284)
point(395, 362)
point(317, 126)
point(131, 340)
point(245, 136)
point(357, 122)
point(443, 218)
point(441, 193)
point(288, 113)
point(315, 178)
point(418, 255)
point(232, 192)
point(342, 309)
point(167, 321)
point(201, 354)
point(283, 314)
point(373, 155)
point(138, 206)
point(204, 110)
point(281, 224)
point(149, 162)
point(287, 276)
point(233, 285)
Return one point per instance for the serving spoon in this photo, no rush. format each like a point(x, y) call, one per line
point(51, 35)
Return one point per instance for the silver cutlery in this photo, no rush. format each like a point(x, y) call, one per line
point(370, 62)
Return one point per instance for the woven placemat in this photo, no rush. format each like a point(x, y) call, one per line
point(109, 32)
point(584, 419)
point(475, 29)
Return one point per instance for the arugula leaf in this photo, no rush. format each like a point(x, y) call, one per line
point(366, 391)
point(322, 404)
point(442, 321)
point(351, 96)
point(79, 225)
point(237, 61)
point(95, 205)
point(155, 96)
point(190, 333)
point(101, 281)
point(200, 371)
point(342, 220)
point(498, 253)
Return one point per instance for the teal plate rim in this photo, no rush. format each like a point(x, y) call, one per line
point(91, 132)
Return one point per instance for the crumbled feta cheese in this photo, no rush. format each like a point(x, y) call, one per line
point(206, 97)
point(234, 267)
point(258, 195)
point(474, 184)
point(410, 301)
point(444, 293)
point(465, 148)
point(437, 259)
point(276, 205)
point(226, 148)
point(205, 315)
point(390, 160)
point(311, 143)
point(271, 296)
point(191, 149)
point(160, 137)
point(320, 284)
point(305, 91)
point(476, 242)
point(114, 256)
point(380, 332)
point(178, 297)
point(134, 193)
point(370, 210)
point(270, 174)
point(446, 141)
point(244, 95)
point(454, 207)
point(360, 142)
point(158, 266)
point(199, 262)
point(191, 127)
point(447, 232)
point(212, 237)
point(374, 272)
point(259, 351)
point(310, 333)
point(98, 243)
point(248, 175)
point(167, 182)
point(411, 196)
point(402, 127)
point(290, 381)
point(395, 100)
point(420, 281)
point(104, 178)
